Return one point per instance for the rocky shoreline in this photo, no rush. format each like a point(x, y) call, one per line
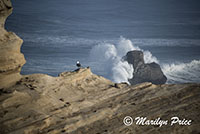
point(80, 102)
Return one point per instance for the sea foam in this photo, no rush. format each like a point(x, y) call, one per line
point(182, 72)
point(109, 58)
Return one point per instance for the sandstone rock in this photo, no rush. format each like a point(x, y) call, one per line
point(11, 59)
point(81, 102)
point(144, 72)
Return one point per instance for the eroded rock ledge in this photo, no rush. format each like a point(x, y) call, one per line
point(11, 59)
point(80, 102)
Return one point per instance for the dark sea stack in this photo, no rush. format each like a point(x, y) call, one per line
point(11, 59)
point(144, 72)
point(135, 58)
point(80, 102)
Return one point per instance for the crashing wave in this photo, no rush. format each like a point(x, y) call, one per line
point(182, 72)
point(109, 59)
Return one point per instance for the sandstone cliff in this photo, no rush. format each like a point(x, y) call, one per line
point(11, 60)
point(80, 102)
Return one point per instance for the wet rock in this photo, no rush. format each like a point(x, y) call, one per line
point(150, 72)
point(80, 102)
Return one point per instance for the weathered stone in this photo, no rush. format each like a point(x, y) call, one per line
point(136, 58)
point(11, 59)
point(144, 72)
point(80, 102)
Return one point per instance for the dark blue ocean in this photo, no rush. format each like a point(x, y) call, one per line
point(98, 33)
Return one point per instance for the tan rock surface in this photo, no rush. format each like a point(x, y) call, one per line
point(11, 59)
point(80, 102)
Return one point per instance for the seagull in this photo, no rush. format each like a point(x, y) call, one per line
point(78, 64)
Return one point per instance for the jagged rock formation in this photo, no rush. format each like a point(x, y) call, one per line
point(80, 102)
point(11, 60)
point(150, 72)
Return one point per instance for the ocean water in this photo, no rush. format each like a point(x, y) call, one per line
point(99, 33)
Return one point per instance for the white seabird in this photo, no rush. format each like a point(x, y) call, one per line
point(78, 64)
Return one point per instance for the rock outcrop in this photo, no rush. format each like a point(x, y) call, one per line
point(11, 60)
point(150, 72)
point(80, 102)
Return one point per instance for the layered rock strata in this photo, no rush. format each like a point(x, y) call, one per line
point(80, 102)
point(11, 59)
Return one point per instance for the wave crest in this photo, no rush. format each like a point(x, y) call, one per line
point(108, 57)
point(182, 72)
